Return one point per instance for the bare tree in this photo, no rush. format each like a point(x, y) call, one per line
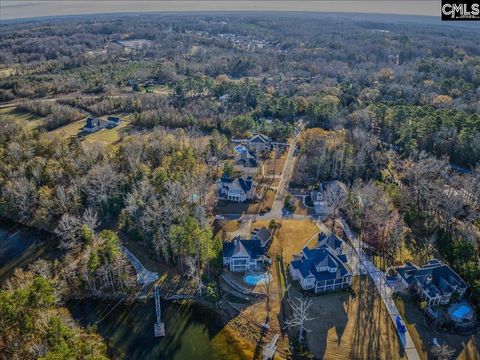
point(442, 352)
point(193, 272)
point(68, 229)
point(335, 197)
point(267, 289)
point(299, 315)
point(90, 218)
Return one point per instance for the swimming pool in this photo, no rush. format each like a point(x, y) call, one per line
point(254, 279)
point(461, 311)
point(240, 149)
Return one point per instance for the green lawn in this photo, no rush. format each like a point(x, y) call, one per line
point(8, 112)
point(110, 136)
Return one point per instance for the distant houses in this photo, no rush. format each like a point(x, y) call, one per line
point(244, 255)
point(323, 268)
point(434, 282)
point(238, 189)
point(94, 124)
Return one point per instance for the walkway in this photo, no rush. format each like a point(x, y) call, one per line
point(159, 326)
point(277, 207)
point(144, 277)
point(383, 288)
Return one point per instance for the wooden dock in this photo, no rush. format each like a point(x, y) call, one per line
point(269, 350)
point(159, 326)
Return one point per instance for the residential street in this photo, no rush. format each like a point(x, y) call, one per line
point(277, 207)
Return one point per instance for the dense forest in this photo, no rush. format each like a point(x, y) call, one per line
point(388, 107)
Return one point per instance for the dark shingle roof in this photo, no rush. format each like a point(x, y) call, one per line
point(331, 240)
point(263, 235)
point(249, 248)
point(321, 257)
point(435, 276)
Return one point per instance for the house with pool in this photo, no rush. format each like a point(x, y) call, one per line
point(241, 255)
point(435, 282)
point(321, 269)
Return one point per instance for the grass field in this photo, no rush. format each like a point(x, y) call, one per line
point(8, 112)
point(466, 347)
point(351, 325)
point(109, 136)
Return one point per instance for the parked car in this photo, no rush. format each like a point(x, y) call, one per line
point(400, 325)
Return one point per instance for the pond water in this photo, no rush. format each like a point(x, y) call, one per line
point(192, 332)
point(20, 246)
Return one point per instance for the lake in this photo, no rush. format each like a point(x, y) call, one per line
point(192, 331)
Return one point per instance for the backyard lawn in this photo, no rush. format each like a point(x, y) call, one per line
point(351, 325)
point(288, 239)
point(466, 347)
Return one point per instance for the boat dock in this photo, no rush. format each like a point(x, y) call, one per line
point(159, 326)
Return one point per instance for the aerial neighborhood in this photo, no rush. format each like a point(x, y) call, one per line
point(239, 186)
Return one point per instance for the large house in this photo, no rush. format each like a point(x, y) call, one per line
point(244, 255)
point(435, 282)
point(258, 143)
point(247, 158)
point(93, 124)
point(237, 189)
point(322, 268)
point(322, 198)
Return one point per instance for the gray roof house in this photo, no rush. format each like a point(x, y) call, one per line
point(333, 242)
point(237, 189)
point(93, 125)
point(320, 197)
point(321, 270)
point(435, 282)
point(247, 159)
point(257, 142)
point(263, 235)
point(113, 121)
point(244, 255)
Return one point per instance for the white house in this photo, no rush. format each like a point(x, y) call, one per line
point(236, 189)
point(321, 270)
point(244, 255)
point(258, 143)
point(322, 197)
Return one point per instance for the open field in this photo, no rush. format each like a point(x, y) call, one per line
point(8, 112)
point(466, 347)
point(290, 237)
point(276, 164)
point(110, 136)
point(352, 325)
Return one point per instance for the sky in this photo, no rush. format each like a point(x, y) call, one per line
point(18, 9)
